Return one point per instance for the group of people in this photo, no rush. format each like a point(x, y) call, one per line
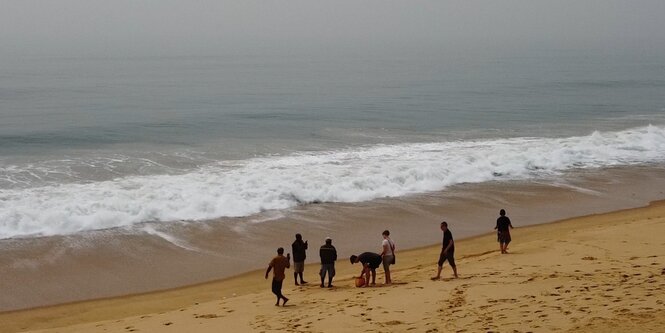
point(327, 254)
point(370, 261)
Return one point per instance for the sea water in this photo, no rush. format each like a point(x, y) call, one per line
point(90, 143)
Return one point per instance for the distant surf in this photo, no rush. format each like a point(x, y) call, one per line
point(246, 187)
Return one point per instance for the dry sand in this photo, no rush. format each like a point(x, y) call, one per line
point(599, 273)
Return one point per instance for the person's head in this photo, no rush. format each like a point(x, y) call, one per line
point(386, 233)
point(298, 237)
point(444, 226)
point(280, 251)
point(353, 259)
point(328, 240)
point(502, 212)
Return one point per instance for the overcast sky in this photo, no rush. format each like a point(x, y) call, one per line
point(70, 27)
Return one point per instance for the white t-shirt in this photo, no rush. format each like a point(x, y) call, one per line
point(387, 247)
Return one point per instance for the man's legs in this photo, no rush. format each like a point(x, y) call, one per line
point(438, 273)
point(451, 261)
point(442, 259)
point(373, 276)
point(366, 273)
point(499, 240)
point(295, 277)
point(326, 268)
point(301, 279)
point(331, 272)
point(277, 290)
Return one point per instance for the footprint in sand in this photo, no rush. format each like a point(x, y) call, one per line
point(207, 316)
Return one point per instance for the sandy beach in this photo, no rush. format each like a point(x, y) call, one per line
point(597, 273)
point(155, 155)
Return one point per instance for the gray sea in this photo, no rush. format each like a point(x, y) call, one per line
point(106, 142)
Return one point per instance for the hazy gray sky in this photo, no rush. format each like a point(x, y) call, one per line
point(66, 27)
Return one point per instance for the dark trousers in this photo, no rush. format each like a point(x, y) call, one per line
point(277, 288)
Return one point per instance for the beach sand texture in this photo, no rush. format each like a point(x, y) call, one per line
point(599, 273)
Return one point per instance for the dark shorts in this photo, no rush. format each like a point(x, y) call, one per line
point(277, 287)
point(450, 256)
point(374, 264)
point(329, 269)
point(503, 237)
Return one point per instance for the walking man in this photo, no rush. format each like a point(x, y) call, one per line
point(279, 263)
point(447, 251)
point(503, 227)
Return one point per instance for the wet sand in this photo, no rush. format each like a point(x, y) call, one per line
point(54, 270)
point(597, 273)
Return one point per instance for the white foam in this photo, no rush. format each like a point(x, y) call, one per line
point(243, 188)
point(169, 238)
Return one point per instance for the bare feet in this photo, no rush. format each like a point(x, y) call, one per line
point(434, 278)
point(285, 300)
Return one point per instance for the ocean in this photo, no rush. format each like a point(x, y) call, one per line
point(94, 143)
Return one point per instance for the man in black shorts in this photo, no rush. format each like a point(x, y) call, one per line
point(447, 251)
point(503, 227)
point(371, 261)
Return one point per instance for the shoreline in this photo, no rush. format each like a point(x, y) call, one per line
point(113, 263)
point(248, 285)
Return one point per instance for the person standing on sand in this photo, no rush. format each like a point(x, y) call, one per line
point(279, 263)
point(328, 255)
point(299, 248)
point(371, 262)
point(503, 227)
point(447, 251)
point(387, 254)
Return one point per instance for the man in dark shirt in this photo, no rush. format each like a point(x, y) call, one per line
point(503, 227)
point(447, 251)
point(328, 255)
point(370, 263)
point(299, 247)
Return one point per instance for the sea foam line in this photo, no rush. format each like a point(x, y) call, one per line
point(243, 188)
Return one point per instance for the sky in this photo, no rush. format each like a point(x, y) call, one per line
point(205, 27)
